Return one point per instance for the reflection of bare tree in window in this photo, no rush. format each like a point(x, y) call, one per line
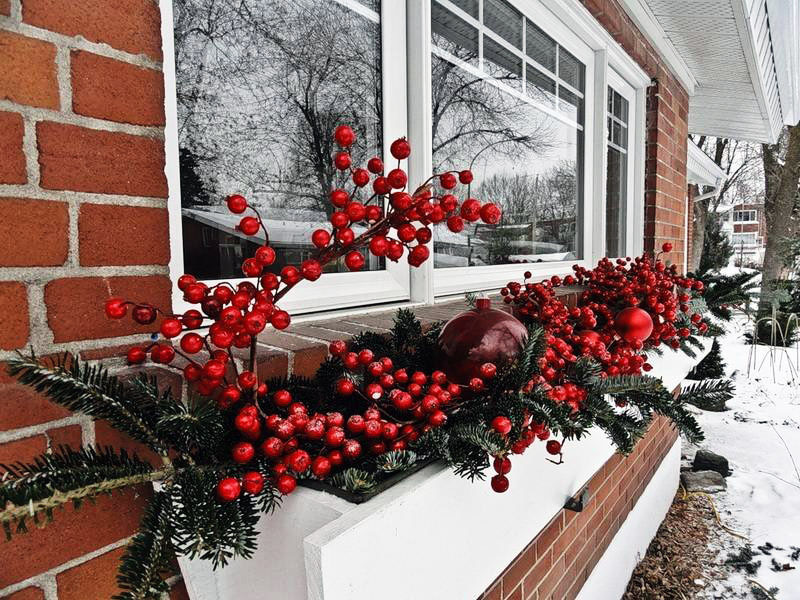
point(262, 83)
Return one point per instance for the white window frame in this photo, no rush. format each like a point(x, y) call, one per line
point(749, 211)
point(406, 62)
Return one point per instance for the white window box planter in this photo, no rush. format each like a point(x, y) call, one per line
point(450, 537)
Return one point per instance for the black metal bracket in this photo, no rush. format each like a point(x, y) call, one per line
point(577, 502)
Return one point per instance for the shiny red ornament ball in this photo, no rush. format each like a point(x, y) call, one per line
point(633, 324)
point(344, 136)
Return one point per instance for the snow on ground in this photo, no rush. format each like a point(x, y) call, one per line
point(760, 436)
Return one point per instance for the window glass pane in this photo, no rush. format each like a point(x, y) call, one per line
point(468, 6)
point(260, 89)
point(571, 70)
point(454, 35)
point(571, 104)
point(502, 64)
point(616, 196)
point(539, 86)
point(540, 46)
point(523, 159)
point(504, 20)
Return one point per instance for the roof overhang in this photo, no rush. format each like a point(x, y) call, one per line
point(701, 169)
point(739, 60)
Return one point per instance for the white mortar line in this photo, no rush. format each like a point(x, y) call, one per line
point(48, 577)
point(64, 79)
point(80, 345)
point(39, 334)
point(39, 429)
point(30, 150)
point(34, 192)
point(45, 274)
point(56, 116)
point(15, 24)
point(73, 253)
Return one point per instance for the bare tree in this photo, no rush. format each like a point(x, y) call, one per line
point(781, 207)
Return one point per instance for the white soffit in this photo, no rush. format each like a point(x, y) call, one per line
point(728, 47)
point(701, 169)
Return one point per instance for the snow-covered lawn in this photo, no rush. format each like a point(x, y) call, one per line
point(760, 436)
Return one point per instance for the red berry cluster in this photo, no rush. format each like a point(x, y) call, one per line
point(627, 305)
point(232, 316)
point(398, 407)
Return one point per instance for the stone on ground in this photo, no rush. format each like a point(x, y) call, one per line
point(703, 481)
point(706, 460)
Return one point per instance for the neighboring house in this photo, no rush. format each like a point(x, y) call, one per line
point(746, 227)
point(575, 112)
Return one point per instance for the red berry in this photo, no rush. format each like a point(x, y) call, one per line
point(361, 177)
point(447, 180)
point(184, 281)
point(320, 238)
point(400, 148)
point(488, 370)
point(171, 327)
point(381, 186)
point(355, 424)
point(351, 449)
point(401, 201)
point(242, 452)
point(342, 161)
point(465, 176)
point(236, 204)
point(378, 245)
point(553, 447)
point(265, 255)
point(280, 319)
point(285, 484)
point(311, 269)
point(490, 214)
point(471, 210)
point(500, 483)
point(334, 437)
point(144, 314)
point(375, 165)
point(136, 355)
point(418, 255)
point(397, 178)
point(272, 447)
point(337, 347)
point(229, 489)
point(321, 467)
point(253, 482)
point(501, 425)
point(344, 136)
point(339, 198)
point(282, 398)
point(298, 461)
point(116, 308)
point(354, 260)
point(345, 387)
point(248, 225)
point(192, 343)
point(455, 224)
point(502, 465)
point(666, 247)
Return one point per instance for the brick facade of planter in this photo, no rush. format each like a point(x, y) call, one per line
point(83, 216)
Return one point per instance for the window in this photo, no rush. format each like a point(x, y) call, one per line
point(514, 90)
point(512, 107)
point(745, 216)
point(617, 169)
point(744, 239)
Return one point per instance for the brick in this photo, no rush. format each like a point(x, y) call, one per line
point(28, 71)
point(33, 233)
point(548, 535)
point(28, 593)
point(178, 591)
point(520, 567)
point(5, 7)
point(116, 91)
point(75, 306)
point(13, 315)
point(12, 130)
point(95, 578)
point(94, 525)
point(89, 160)
point(26, 449)
point(123, 235)
point(23, 406)
point(539, 571)
point(308, 354)
point(106, 435)
point(130, 25)
point(516, 594)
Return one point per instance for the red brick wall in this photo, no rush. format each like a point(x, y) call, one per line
point(557, 562)
point(82, 215)
point(667, 134)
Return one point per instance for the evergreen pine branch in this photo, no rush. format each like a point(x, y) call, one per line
point(620, 384)
point(196, 425)
point(524, 367)
point(707, 391)
point(396, 460)
point(90, 389)
point(64, 476)
point(585, 372)
point(353, 480)
point(471, 299)
point(206, 528)
point(406, 331)
point(146, 561)
point(434, 443)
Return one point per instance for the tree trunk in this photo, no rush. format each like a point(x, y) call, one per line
point(699, 218)
point(781, 210)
